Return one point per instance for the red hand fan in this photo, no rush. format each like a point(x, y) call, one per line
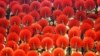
point(25, 35)
point(25, 8)
point(89, 4)
point(45, 12)
point(88, 43)
point(62, 19)
point(15, 29)
point(32, 53)
point(73, 22)
point(27, 20)
point(4, 23)
point(90, 53)
point(76, 42)
point(47, 43)
point(48, 29)
point(6, 52)
point(60, 29)
point(25, 47)
point(68, 11)
point(35, 5)
point(62, 42)
point(34, 43)
point(90, 33)
point(58, 52)
point(13, 37)
point(46, 53)
point(74, 31)
point(46, 3)
point(19, 52)
point(15, 20)
point(43, 23)
point(12, 44)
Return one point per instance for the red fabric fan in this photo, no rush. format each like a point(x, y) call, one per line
point(73, 22)
point(32, 53)
point(48, 29)
point(13, 37)
point(97, 27)
point(25, 35)
point(68, 11)
point(36, 28)
point(76, 54)
point(74, 31)
point(25, 47)
point(62, 19)
point(46, 53)
point(56, 14)
point(88, 43)
point(46, 3)
point(45, 12)
point(35, 5)
point(4, 23)
point(76, 42)
point(3, 4)
point(6, 52)
point(12, 44)
point(80, 5)
point(3, 31)
point(80, 15)
point(1, 39)
point(66, 3)
point(85, 26)
point(21, 15)
point(98, 47)
point(15, 20)
point(13, 3)
point(34, 43)
point(58, 52)
point(16, 9)
point(60, 29)
point(98, 2)
point(2, 12)
point(62, 42)
point(89, 21)
point(90, 53)
point(26, 8)
point(98, 36)
point(50, 35)
point(90, 33)
point(58, 4)
point(47, 43)
point(89, 4)
point(35, 15)
point(19, 52)
point(43, 23)
point(27, 20)
point(15, 29)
